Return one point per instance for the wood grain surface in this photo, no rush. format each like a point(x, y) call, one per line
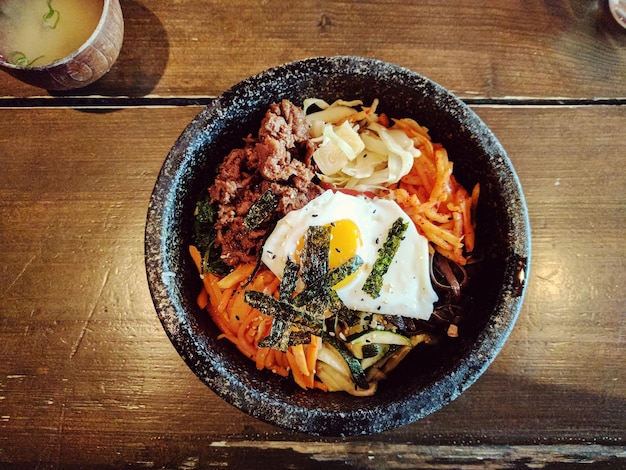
point(565, 49)
point(88, 378)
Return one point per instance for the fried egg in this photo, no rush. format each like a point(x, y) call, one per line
point(359, 226)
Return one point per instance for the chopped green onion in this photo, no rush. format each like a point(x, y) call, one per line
point(52, 17)
point(19, 58)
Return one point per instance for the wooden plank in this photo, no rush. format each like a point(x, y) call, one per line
point(506, 49)
point(88, 376)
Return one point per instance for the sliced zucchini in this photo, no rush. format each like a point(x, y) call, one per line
point(358, 374)
point(383, 350)
point(371, 350)
point(383, 367)
point(379, 337)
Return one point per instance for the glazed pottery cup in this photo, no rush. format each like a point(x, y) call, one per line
point(87, 63)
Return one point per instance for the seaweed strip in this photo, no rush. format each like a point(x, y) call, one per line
point(289, 281)
point(315, 262)
point(290, 325)
point(260, 210)
point(283, 311)
point(296, 318)
point(299, 337)
point(374, 281)
point(321, 287)
point(279, 336)
point(344, 270)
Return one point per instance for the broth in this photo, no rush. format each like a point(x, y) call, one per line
point(39, 32)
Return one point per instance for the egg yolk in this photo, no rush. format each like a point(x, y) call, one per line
point(345, 239)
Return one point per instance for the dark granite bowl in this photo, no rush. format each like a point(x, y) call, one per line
point(429, 377)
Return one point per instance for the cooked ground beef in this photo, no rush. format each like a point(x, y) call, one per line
point(279, 158)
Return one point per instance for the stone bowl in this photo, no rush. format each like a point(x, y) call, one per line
point(429, 377)
point(90, 62)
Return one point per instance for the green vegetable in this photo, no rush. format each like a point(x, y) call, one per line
point(19, 58)
point(204, 235)
point(382, 367)
point(367, 343)
point(374, 281)
point(379, 337)
point(382, 351)
point(261, 210)
point(358, 374)
point(52, 17)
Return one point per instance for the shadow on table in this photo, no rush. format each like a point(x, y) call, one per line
point(142, 59)
point(507, 421)
point(500, 409)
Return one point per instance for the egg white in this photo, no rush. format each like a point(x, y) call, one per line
point(406, 290)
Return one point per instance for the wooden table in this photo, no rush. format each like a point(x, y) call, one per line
point(88, 377)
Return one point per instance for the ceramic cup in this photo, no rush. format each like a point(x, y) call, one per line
point(618, 9)
point(89, 62)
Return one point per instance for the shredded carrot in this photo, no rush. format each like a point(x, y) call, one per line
point(196, 256)
point(261, 356)
point(298, 353)
point(215, 293)
point(298, 377)
point(312, 351)
point(320, 386)
point(203, 298)
point(440, 207)
point(246, 327)
point(301, 360)
point(281, 358)
point(222, 324)
point(383, 120)
point(225, 297)
point(237, 275)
